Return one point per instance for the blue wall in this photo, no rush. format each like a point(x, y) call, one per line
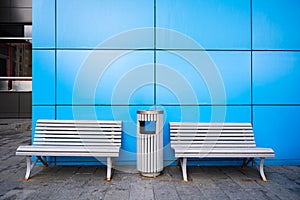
point(211, 60)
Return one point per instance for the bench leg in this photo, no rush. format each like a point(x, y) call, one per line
point(109, 166)
point(183, 168)
point(247, 161)
point(29, 167)
point(43, 160)
point(261, 169)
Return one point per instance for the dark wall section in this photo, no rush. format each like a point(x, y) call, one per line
point(15, 11)
point(15, 105)
point(14, 14)
point(11, 30)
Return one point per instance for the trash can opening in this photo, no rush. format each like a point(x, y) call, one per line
point(147, 127)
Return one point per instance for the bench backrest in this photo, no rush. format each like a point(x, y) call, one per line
point(216, 135)
point(78, 133)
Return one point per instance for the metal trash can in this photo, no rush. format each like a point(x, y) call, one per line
point(150, 142)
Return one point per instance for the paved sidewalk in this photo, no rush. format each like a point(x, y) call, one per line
point(69, 182)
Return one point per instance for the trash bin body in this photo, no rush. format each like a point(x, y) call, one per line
point(150, 142)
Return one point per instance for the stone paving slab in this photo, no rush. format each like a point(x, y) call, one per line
point(88, 182)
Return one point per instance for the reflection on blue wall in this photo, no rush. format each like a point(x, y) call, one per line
point(95, 21)
point(43, 17)
point(276, 25)
point(213, 24)
point(276, 77)
point(213, 60)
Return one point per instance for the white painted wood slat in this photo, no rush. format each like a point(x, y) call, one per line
point(85, 136)
point(77, 128)
point(79, 154)
point(76, 144)
point(82, 140)
point(74, 150)
point(114, 133)
point(50, 121)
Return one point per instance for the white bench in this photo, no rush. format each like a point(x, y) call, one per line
point(89, 138)
point(216, 140)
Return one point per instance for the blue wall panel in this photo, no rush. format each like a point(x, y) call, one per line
point(235, 71)
point(43, 20)
point(276, 77)
point(105, 77)
point(95, 21)
point(207, 113)
point(128, 80)
point(43, 82)
point(276, 24)
point(68, 66)
point(278, 127)
point(214, 24)
point(180, 82)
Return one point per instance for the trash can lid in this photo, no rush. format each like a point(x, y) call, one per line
point(150, 112)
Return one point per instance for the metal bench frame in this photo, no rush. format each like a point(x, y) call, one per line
point(87, 138)
point(216, 140)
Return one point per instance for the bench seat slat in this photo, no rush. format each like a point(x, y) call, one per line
point(76, 144)
point(215, 145)
point(79, 121)
point(57, 125)
point(81, 132)
point(73, 128)
point(68, 148)
point(224, 150)
point(210, 127)
point(174, 124)
point(235, 155)
point(210, 130)
point(83, 140)
point(212, 142)
point(95, 136)
point(204, 134)
point(79, 154)
point(215, 138)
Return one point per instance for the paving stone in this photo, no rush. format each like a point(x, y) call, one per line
point(92, 193)
point(284, 193)
point(240, 178)
point(8, 184)
point(260, 194)
point(18, 194)
point(227, 184)
point(213, 173)
point(165, 190)
point(188, 191)
point(205, 183)
point(116, 193)
point(142, 190)
point(214, 194)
